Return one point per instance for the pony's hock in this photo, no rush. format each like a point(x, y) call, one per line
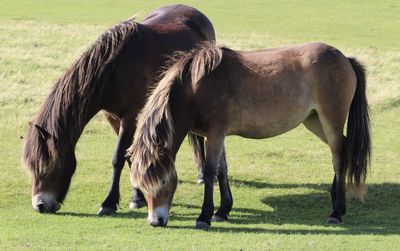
point(215, 92)
point(113, 75)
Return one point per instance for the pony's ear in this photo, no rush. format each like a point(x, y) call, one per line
point(45, 134)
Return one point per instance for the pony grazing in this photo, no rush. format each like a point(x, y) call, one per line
point(113, 75)
point(215, 92)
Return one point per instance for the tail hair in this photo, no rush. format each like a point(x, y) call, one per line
point(197, 142)
point(358, 143)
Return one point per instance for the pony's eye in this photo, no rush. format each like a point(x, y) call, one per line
point(163, 182)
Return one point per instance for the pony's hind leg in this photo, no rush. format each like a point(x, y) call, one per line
point(313, 124)
point(226, 195)
point(338, 191)
point(335, 139)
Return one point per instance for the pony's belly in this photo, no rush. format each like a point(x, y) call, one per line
point(262, 131)
point(266, 123)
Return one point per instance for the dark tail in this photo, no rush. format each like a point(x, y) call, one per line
point(197, 143)
point(358, 146)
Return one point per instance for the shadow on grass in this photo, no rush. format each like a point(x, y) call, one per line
point(265, 185)
point(328, 230)
point(379, 215)
point(127, 215)
point(302, 214)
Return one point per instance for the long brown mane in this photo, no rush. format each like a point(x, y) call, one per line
point(154, 136)
point(71, 103)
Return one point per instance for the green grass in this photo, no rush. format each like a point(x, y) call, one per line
point(279, 185)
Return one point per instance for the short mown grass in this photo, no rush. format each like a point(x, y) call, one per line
point(279, 185)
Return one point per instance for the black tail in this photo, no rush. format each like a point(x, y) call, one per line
point(197, 143)
point(358, 132)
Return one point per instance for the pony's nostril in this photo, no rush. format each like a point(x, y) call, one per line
point(41, 207)
point(157, 223)
point(161, 222)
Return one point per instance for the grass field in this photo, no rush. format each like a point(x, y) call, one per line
point(279, 185)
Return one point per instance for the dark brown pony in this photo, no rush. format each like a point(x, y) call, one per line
point(215, 92)
point(113, 75)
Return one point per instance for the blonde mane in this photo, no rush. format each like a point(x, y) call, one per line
point(150, 151)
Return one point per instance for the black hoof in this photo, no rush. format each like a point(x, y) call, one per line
point(106, 211)
point(333, 221)
point(202, 226)
point(137, 204)
point(217, 218)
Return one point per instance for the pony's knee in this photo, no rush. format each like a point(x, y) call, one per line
point(209, 173)
point(117, 162)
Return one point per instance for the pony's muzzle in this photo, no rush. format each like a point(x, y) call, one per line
point(159, 222)
point(44, 203)
point(159, 218)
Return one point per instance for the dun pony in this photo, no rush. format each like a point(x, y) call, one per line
point(215, 92)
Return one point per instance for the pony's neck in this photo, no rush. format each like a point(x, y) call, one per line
point(79, 93)
point(65, 117)
point(182, 119)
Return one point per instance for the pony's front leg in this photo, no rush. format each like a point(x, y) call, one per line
point(225, 191)
point(214, 148)
point(109, 205)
